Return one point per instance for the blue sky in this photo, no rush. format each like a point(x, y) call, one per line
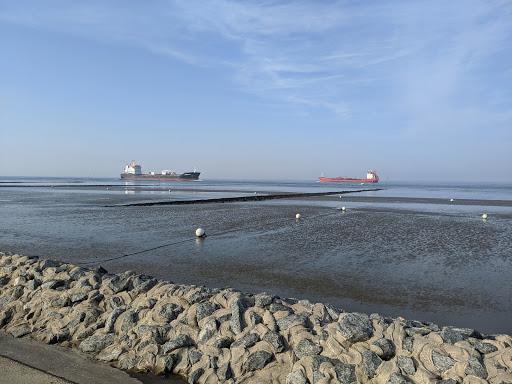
point(257, 89)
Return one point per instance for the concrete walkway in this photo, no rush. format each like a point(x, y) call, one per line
point(27, 361)
point(14, 372)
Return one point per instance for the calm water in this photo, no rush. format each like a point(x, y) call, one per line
point(406, 250)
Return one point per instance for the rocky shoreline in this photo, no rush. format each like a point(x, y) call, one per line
point(138, 323)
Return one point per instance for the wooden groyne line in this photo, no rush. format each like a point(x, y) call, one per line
point(243, 198)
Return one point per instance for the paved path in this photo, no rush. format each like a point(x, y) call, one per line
point(14, 372)
point(27, 361)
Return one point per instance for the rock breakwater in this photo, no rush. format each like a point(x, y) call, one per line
point(138, 323)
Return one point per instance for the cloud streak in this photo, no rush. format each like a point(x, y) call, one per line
point(407, 58)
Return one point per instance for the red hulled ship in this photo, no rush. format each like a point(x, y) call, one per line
point(371, 177)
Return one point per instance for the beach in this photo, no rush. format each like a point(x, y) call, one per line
point(419, 259)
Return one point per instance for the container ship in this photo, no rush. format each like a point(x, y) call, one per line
point(371, 177)
point(133, 171)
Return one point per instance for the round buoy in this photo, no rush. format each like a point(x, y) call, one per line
point(451, 200)
point(298, 216)
point(340, 196)
point(485, 216)
point(200, 232)
point(343, 209)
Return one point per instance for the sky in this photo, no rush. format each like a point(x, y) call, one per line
point(418, 90)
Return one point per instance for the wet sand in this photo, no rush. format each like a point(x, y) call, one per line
point(448, 267)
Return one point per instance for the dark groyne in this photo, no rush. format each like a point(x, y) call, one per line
point(273, 196)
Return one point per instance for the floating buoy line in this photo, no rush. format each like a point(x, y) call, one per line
point(200, 233)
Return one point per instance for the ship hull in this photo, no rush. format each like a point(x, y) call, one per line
point(346, 180)
point(187, 176)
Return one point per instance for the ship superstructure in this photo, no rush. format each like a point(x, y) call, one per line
point(133, 171)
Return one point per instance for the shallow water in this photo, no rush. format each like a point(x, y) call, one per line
point(427, 261)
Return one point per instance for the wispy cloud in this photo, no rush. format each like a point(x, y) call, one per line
point(409, 56)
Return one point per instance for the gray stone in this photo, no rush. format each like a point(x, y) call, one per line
point(54, 284)
point(406, 365)
point(213, 362)
point(276, 307)
point(397, 378)
point(224, 372)
point(5, 317)
point(442, 362)
point(195, 375)
point(111, 319)
point(142, 284)
point(110, 354)
point(198, 296)
point(246, 341)
point(237, 322)
point(447, 381)
point(476, 368)
point(407, 343)
point(58, 301)
point(484, 347)
point(17, 292)
point(33, 284)
point(170, 311)
point(101, 271)
point(261, 300)
point(128, 362)
point(20, 330)
point(452, 335)
point(276, 340)
point(49, 264)
point(194, 356)
point(296, 377)
point(118, 283)
point(205, 309)
point(346, 373)
point(258, 360)
point(208, 330)
point(255, 318)
point(78, 296)
point(355, 327)
point(179, 342)
point(96, 342)
point(115, 302)
point(223, 342)
point(306, 347)
point(292, 320)
point(370, 364)
point(167, 363)
point(387, 347)
point(128, 320)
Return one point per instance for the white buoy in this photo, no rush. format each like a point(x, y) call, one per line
point(485, 216)
point(451, 200)
point(343, 209)
point(298, 216)
point(200, 232)
point(340, 196)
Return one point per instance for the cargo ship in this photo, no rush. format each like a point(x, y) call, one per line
point(371, 177)
point(133, 171)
